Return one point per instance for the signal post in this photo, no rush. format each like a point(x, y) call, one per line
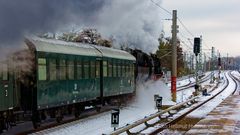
point(196, 50)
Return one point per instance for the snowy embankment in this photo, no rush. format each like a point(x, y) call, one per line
point(143, 105)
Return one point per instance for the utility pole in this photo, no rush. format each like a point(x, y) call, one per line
point(174, 56)
point(192, 63)
point(227, 62)
point(204, 63)
point(200, 55)
point(212, 75)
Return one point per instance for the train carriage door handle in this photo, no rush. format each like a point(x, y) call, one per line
point(6, 93)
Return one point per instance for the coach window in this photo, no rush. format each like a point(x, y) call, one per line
point(92, 69)
point(79, 70)
point(105, 70)
point(97, 69)
point(119, 69)
point(42, 69)
point(70, 70)
point(110, 67)
point(123, 70)
point(127, 70)
point(86, 69)
point(132, 70)
point(62, 66)
point(114, 70)
point(4, 72)
point(53, 69)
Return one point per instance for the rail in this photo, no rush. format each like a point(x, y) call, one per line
point(204, 102)
point(145, 120)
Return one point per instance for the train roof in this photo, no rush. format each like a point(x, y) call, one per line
point(63, 47)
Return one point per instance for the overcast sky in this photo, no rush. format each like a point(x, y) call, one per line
point(218, 21)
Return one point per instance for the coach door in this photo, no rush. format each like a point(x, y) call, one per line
point(6, 98)
point(98, 83)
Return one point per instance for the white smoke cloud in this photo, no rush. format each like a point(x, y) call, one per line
point(135, 22)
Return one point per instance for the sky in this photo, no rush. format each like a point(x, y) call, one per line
point(132, 23)
point(135, 23)
point(218, 21)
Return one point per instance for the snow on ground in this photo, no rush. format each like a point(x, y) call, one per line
point(185, 80)
point(142, 106)
point(205, 109)
point(185, 94)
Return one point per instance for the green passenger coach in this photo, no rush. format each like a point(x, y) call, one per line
point(70, 73)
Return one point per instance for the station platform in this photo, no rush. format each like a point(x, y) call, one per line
point(223, 120)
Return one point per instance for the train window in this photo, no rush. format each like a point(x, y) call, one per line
point(62, 66)
point(110, 67)
point(86, 69)
point(97, 69)
point(114, 70)
point(105, 69)
point(119, 69)
point(132, 71)
point(123, 70)
point(92, 69)
point(4, 72)
point(70, 70)
point(53, 69)
point(127, 70)
point(79, 69)
point(42, 69)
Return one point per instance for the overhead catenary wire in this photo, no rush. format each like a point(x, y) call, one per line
point(161, 7)
point(181, 22)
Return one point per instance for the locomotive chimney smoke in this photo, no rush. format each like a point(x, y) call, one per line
point(33, 16)
point(134, 23)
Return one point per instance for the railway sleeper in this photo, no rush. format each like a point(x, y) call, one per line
point(149, 125)
point(189, 103)
point(130, 133)
point(172, 112)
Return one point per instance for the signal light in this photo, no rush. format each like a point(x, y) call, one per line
point(196, 48)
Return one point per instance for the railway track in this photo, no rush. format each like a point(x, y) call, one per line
point(72, 121)
point(162, 125)
point(191, 84)
point(177, 119)
point(52, 123)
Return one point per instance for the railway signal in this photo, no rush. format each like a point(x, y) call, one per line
point(196, 48)
point(115, 118)
point(159, 103)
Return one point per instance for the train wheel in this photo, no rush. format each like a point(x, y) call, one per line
point(76, 112)
point(59, 115)
point(52, 113)
point(98, 108)
point(78, 109)
point(1, 124)
point(69, 110)
point(43, 115)
point(6, 120)
point(36, 119)
point(12, 119)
